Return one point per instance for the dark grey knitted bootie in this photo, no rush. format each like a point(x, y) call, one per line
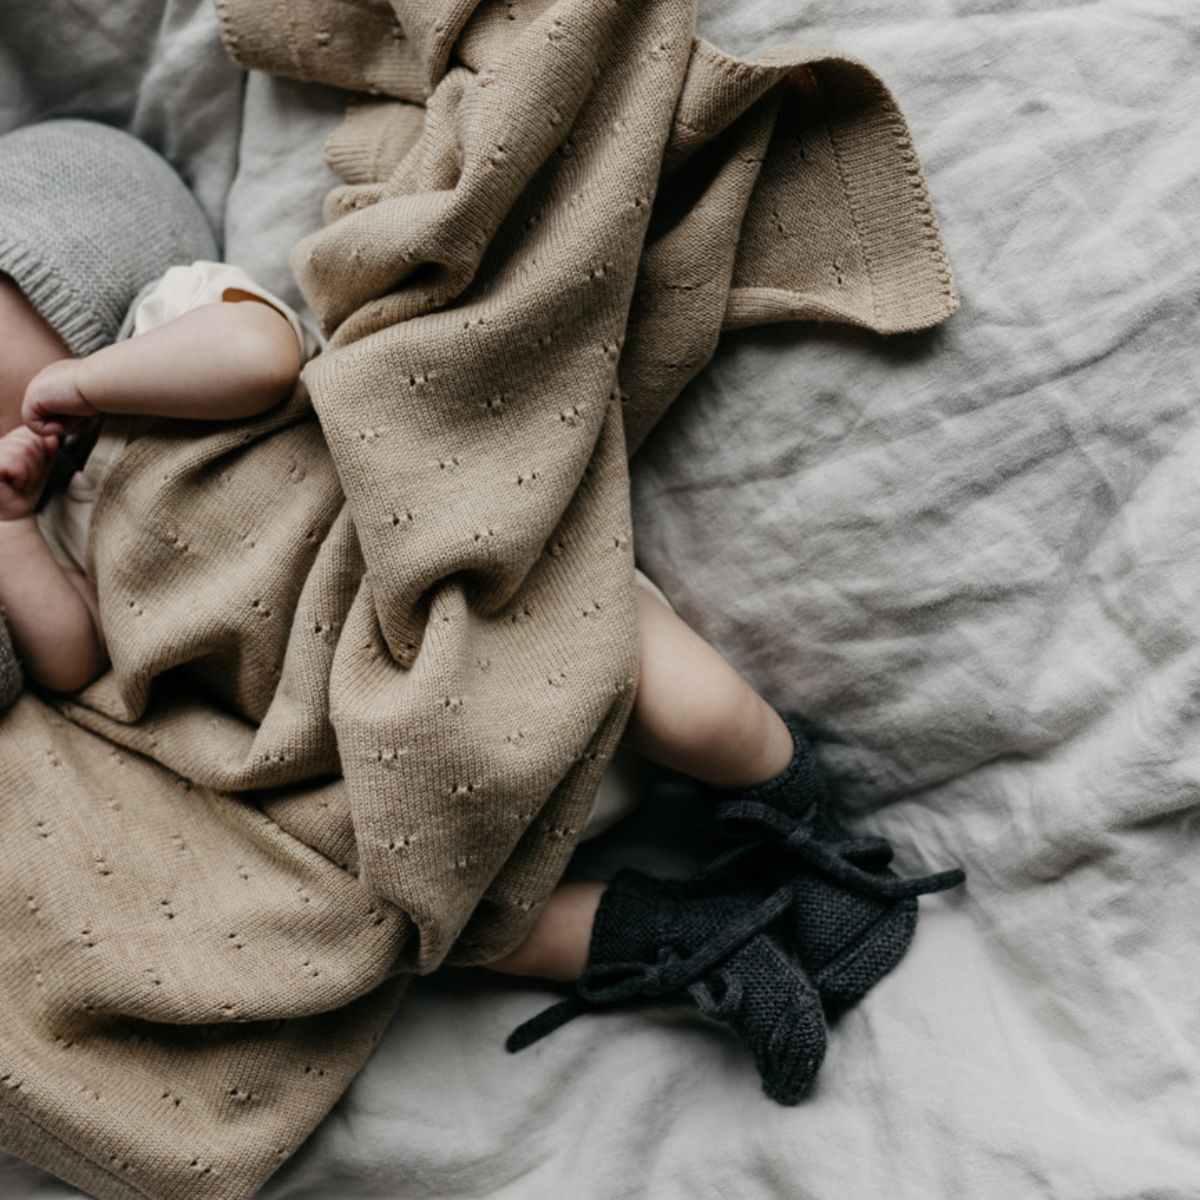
point(10, 669)
point(851, 918)
point(718, 946)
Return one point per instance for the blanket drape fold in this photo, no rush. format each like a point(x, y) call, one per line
point(373, 650)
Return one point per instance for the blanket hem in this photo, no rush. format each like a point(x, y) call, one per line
point(911, 282)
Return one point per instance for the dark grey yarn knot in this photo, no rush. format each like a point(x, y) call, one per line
point(852, 916)
point(669, 974)
point(858, 863)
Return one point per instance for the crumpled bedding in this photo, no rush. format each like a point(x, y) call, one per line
point(967, 556)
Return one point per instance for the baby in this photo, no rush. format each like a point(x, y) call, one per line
point(797, 920)
point(208, 345)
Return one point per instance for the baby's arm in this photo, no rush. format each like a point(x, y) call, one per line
point(51, 612)
point(235, 358)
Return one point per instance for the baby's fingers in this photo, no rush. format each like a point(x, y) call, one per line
point(53, 403)
point(25, 462)
point(48, 424)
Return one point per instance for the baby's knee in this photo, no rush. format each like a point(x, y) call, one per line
point(733, 716)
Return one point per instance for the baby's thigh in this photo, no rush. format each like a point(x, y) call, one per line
point(647, 584)
point(628, 778)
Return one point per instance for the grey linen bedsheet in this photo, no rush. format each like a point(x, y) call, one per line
point(970, 557)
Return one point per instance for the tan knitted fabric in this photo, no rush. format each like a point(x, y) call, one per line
point(368, 668)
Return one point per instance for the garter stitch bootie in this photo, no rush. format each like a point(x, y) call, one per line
point(851, 918)
point(715, 944)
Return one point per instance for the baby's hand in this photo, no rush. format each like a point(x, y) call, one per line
point(25, 461)
point(53, 402)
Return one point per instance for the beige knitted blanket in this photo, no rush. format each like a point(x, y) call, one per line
point(368, 666)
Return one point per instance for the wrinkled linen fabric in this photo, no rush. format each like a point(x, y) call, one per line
point(1039, 1039)
point(368, 668)
point(971, 558)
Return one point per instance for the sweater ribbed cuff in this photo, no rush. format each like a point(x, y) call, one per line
point(374, 138)
point(70, 318)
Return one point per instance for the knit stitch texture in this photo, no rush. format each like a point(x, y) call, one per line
point(61, 182)
point(718, 942)
point(372, 651)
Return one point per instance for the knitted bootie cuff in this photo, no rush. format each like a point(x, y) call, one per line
point(639, 914)
point(802, 775)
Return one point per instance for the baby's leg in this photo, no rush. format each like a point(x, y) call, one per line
point(51, 612)
point(693, 713)
point(556, 946)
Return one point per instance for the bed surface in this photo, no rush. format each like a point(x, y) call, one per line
point(969, 556)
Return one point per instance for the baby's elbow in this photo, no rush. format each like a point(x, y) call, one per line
point(281, 368)
point(270, 353)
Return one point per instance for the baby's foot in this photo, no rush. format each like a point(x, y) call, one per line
point(25, 461)
point(712, 942)
point(53, 403)
point(852, 917)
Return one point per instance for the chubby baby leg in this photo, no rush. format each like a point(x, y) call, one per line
point(694, 713)
point(556, 946)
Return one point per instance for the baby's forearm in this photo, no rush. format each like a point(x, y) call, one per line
point(51, 612)
point(218, 362)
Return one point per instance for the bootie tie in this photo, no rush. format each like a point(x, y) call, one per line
point(715, 944)
point(851, 917)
